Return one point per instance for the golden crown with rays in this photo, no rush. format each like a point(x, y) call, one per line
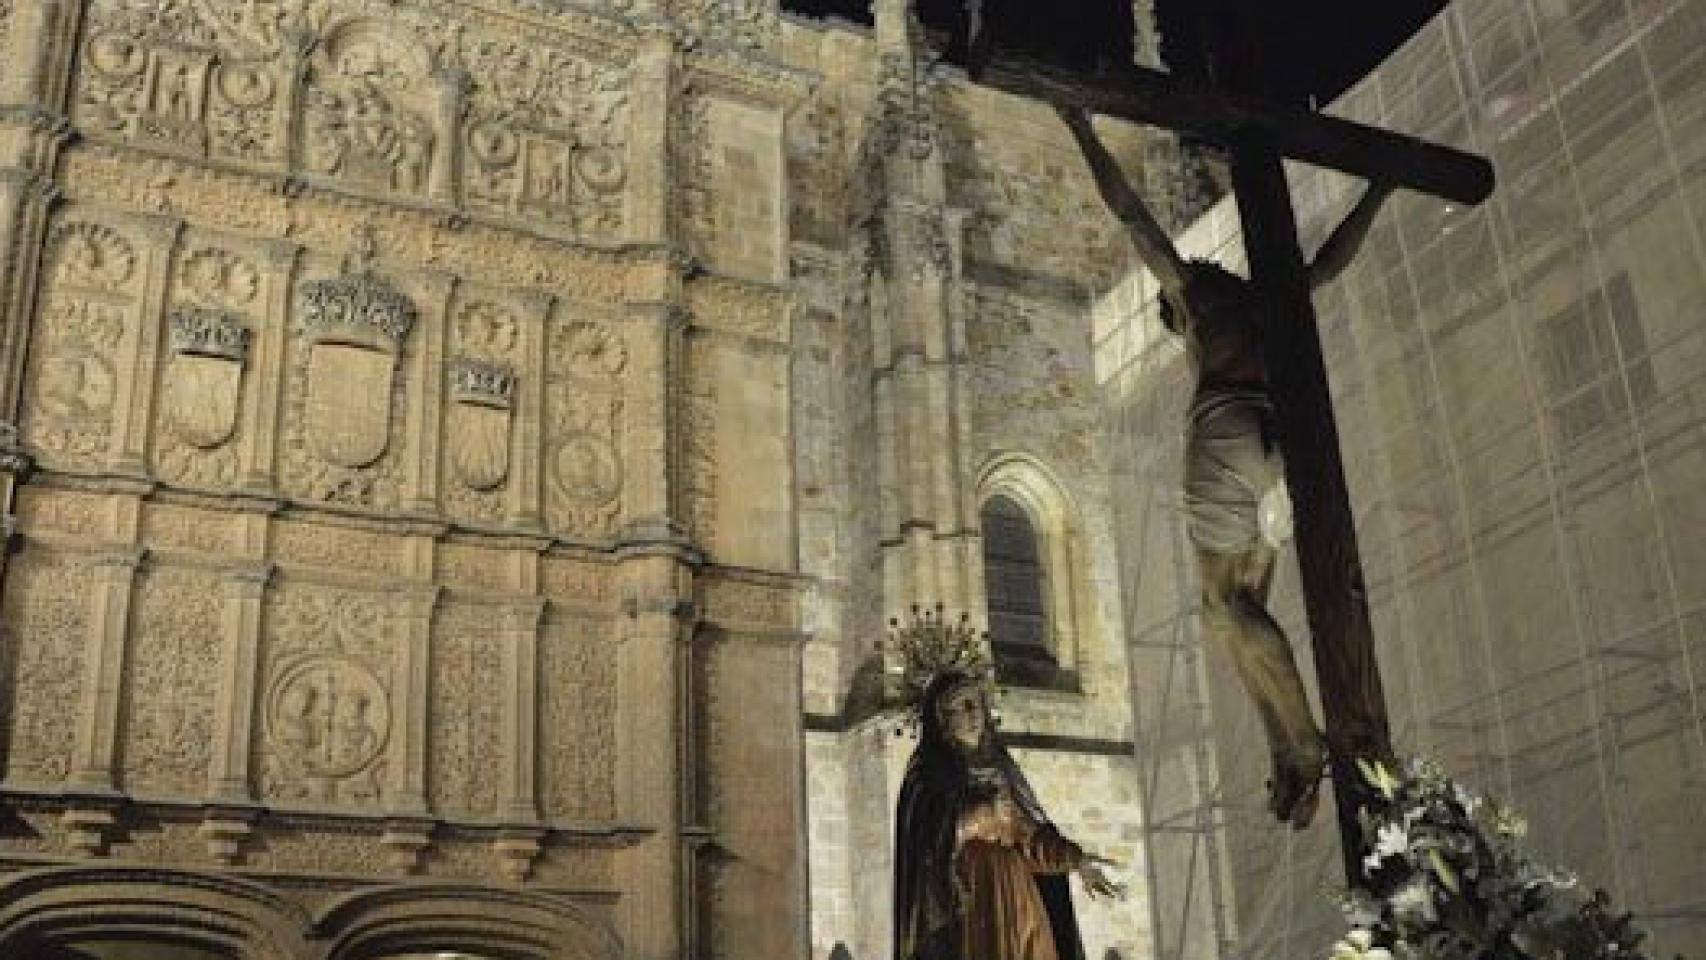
point(928, 644)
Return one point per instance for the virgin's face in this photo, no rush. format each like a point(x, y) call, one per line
point(963, 717)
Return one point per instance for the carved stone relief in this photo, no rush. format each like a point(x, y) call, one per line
point(171, 527)
point(486, 353)
point(88, 302)
point(328, 547)
point(544, 138)
point(41, 663)
point(467, 566)
point(325, 700)
point(167, 725)
point(568, 580)
point(577, 709)
point(465, 745)
point(321, 849)
point(208, 332)
point(740, 23)
point(582, 458)
point(699, 432)
point(370, 114)
point(345, 395)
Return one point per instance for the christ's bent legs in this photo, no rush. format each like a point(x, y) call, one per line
point(1233, 591)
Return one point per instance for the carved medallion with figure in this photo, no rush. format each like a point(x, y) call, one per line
point(582, 460)
point(326, 703)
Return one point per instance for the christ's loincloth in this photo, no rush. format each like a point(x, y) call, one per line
point(1234, 490)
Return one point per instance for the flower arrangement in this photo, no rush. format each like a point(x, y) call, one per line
point(1449, 880)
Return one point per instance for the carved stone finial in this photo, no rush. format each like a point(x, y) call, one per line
point(202, 332)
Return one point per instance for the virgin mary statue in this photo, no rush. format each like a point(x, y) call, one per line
point(980, 872)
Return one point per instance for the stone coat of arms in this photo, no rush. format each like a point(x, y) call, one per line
point(356, 325)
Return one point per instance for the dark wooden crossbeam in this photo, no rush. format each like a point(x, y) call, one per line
point(1161, 100)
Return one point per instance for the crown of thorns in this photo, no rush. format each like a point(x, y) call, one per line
point(929, 644)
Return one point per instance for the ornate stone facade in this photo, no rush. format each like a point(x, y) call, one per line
point(361, 545)
point(457, 427)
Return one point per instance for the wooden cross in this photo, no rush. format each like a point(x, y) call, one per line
point(1258, 134)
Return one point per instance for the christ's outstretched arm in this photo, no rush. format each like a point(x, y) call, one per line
point(1341, 246)
point(1153, 247)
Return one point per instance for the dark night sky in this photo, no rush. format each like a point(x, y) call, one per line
point(1303, 48)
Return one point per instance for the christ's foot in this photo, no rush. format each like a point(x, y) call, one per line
point(1295, 790)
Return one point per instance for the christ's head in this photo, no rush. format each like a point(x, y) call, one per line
point(1211, 290)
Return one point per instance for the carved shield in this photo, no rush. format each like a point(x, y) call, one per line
point(201, 398)
point(349, 403)
point(479, 445)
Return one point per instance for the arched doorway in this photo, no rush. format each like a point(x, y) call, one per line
point(105, 949)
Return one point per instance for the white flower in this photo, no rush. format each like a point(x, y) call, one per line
point(1414, 901)
point(1359, 945)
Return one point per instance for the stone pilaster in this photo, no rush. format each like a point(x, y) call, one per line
point(651, 780)
point(228, 776)
point(409, 746)
point(260, 419)
point(518, 799)
point(103, 680)
point(650, 106)
point(656, 348)
point(525, 508)
point(425, 417)
point(446, 179)
point(139, 355)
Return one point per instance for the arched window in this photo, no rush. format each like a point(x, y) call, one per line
point(1013, 579)
point(1031, 573)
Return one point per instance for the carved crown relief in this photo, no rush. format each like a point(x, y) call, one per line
point(88, 304)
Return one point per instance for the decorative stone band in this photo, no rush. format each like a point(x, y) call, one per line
point(202, 332)
point(361, 309)
point(482, 383)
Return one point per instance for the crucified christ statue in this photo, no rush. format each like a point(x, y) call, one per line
point(1232, 462)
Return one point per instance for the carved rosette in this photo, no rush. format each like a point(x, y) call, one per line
point(325, 705)
point(89, 300)
point(582, 460)
point(347, 393)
